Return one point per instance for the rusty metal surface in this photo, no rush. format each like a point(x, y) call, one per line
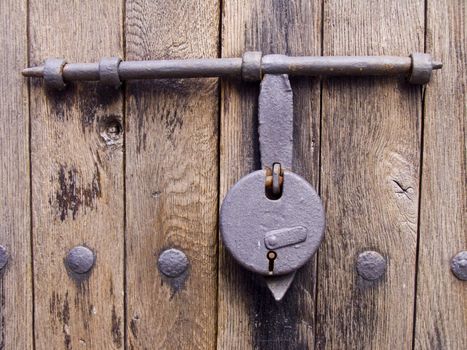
point(459, 265)
point(248, 216)
point(277, 180)
point(276, 121)
point(250, 67)
point(371, 265)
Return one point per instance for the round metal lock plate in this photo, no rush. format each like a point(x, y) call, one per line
point(252, 225)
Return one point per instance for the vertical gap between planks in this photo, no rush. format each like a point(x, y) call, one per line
point(219, 121)
point(31, 238)
point(319, 173)
point(124, 123)
point(420, 182)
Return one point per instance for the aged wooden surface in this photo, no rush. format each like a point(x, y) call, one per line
point(248, 315)
point(77, 179)
point(369, 179)
point(441, 313)
point(172, 178)
point(130, 187)
point(15, 279)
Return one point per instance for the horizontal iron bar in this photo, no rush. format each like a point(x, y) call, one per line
point(236, 67)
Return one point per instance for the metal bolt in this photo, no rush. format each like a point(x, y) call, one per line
point(459, 265)
point(172, 262)
point(250, 67)
point(80, 259)
point(3, 257)
point(371, 265)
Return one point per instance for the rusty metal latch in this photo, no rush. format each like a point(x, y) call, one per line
point(252, 66)
point(272, 220)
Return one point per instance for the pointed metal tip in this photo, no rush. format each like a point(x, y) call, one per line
point(279, 285)
point(33, 71)
point(437, 65)
point(277, 295)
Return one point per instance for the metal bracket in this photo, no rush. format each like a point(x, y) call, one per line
point(276, 147)
point(252, 66)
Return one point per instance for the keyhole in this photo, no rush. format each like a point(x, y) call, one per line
point(272, 255)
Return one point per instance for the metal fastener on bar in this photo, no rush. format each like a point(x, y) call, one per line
point(251, 67)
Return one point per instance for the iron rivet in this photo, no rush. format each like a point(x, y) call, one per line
point(273, 241)
point(459, 265)
point(3, 257)
point(371, 265)
point(172, 262)
point(80, 259)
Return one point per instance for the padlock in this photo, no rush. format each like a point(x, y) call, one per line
point(272, 220)
point(272, 236)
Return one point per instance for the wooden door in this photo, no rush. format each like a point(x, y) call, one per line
point(129, 173)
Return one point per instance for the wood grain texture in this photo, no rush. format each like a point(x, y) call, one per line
point(248, 315)
point(441, 317)
point(77, 185)
point(16, 329)
point(172, 178)
point(370, 179)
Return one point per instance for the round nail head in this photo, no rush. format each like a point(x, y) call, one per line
point(459, 265)
point(80, 259)
point(172, 262)
point(3, 257)
point(371, 265)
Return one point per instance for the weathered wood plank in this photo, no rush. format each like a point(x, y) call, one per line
point(248, 315)
point(16, 328)
point(77, 179)
point(172, 177)
point(370, 179)
point(441, 319)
